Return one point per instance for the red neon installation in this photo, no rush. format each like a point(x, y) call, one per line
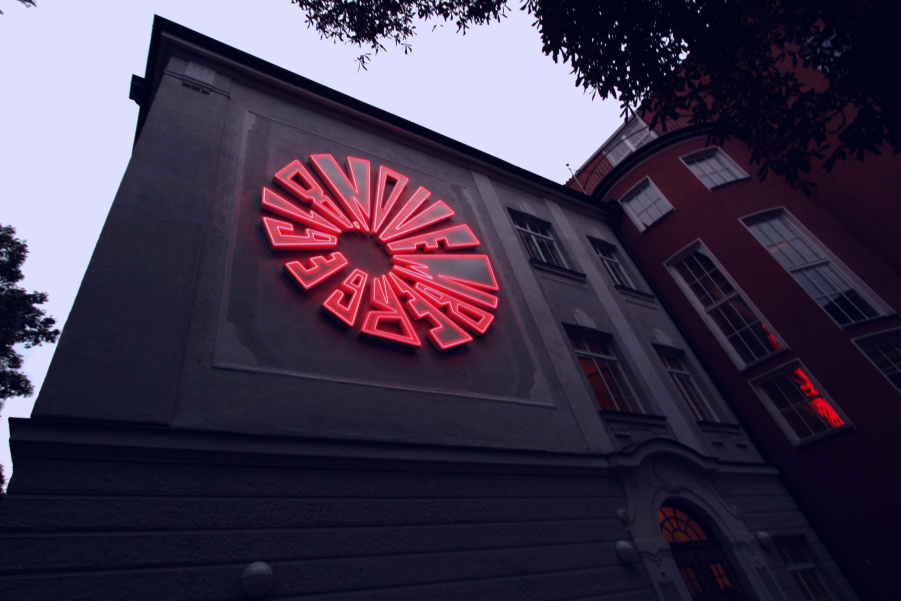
point(463, 276)
point(284, 207)
point(312, 193)
point(450, 292)
point(353, 193)
point(282, 237)
point(819, 404)
point(344, 303)
point(382, 297)
point(444, 333)
point(405, 222)
point(383, 206)
point(456, 237)
point(320, 269)
point(469, 316)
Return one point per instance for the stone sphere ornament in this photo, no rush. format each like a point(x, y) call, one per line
point(626, 552)
point(257, 579)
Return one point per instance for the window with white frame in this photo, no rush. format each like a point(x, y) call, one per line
point(601, 366)
point(796, 554)
point(799, 405)
point(884, 350)
point(737, 325)
point(674, 363)
point(713, 167)
point(645, 204)
point(808, 263)
point(607, 254)
point(634, 136)
point(540, 243)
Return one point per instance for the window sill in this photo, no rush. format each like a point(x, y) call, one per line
point(763, 360)
point(735, 181)
point(868, 322)
point(568, 273)
point(643, 229)
point(847, 428)
point(635, 419)
point(636, 293)
point(719, 427)
point(626, 428)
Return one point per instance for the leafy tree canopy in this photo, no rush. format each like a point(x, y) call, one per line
point(21, 321)
point(27, 3)
point(753, 67)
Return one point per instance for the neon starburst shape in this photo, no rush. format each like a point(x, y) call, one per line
point(430, 279)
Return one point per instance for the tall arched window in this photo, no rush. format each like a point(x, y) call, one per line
point(701, 561)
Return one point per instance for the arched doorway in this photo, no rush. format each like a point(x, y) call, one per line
point(701, 561)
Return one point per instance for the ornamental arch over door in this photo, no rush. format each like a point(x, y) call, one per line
point(706, 570)
point(662, 474)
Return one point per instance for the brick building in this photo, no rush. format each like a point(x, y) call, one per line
point(790, 301)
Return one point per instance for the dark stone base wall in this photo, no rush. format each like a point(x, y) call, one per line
point(766, 506)
point(123, 528)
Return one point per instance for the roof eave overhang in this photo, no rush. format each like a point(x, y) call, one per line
point(645, 152)
point(167, 33)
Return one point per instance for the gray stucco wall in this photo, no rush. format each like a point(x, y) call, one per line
point(186, 319)
point(199, 327)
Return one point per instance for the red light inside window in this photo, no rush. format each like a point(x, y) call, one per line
point(820, 405)
point(771, 338)
point(804, 383)
point(827, 412)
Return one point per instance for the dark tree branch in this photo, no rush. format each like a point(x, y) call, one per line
point(27, 3)
point(802, 81)
point(21, 321)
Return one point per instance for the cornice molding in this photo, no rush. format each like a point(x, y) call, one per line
point(645, 152)
point(169, 37)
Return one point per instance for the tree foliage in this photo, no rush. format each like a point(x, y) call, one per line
point(27, 3)
point(752, 68)
point(21, 321)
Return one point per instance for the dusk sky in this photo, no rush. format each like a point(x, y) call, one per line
point(67, 124)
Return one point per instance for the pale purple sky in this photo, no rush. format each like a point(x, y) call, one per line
point(67, 124)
